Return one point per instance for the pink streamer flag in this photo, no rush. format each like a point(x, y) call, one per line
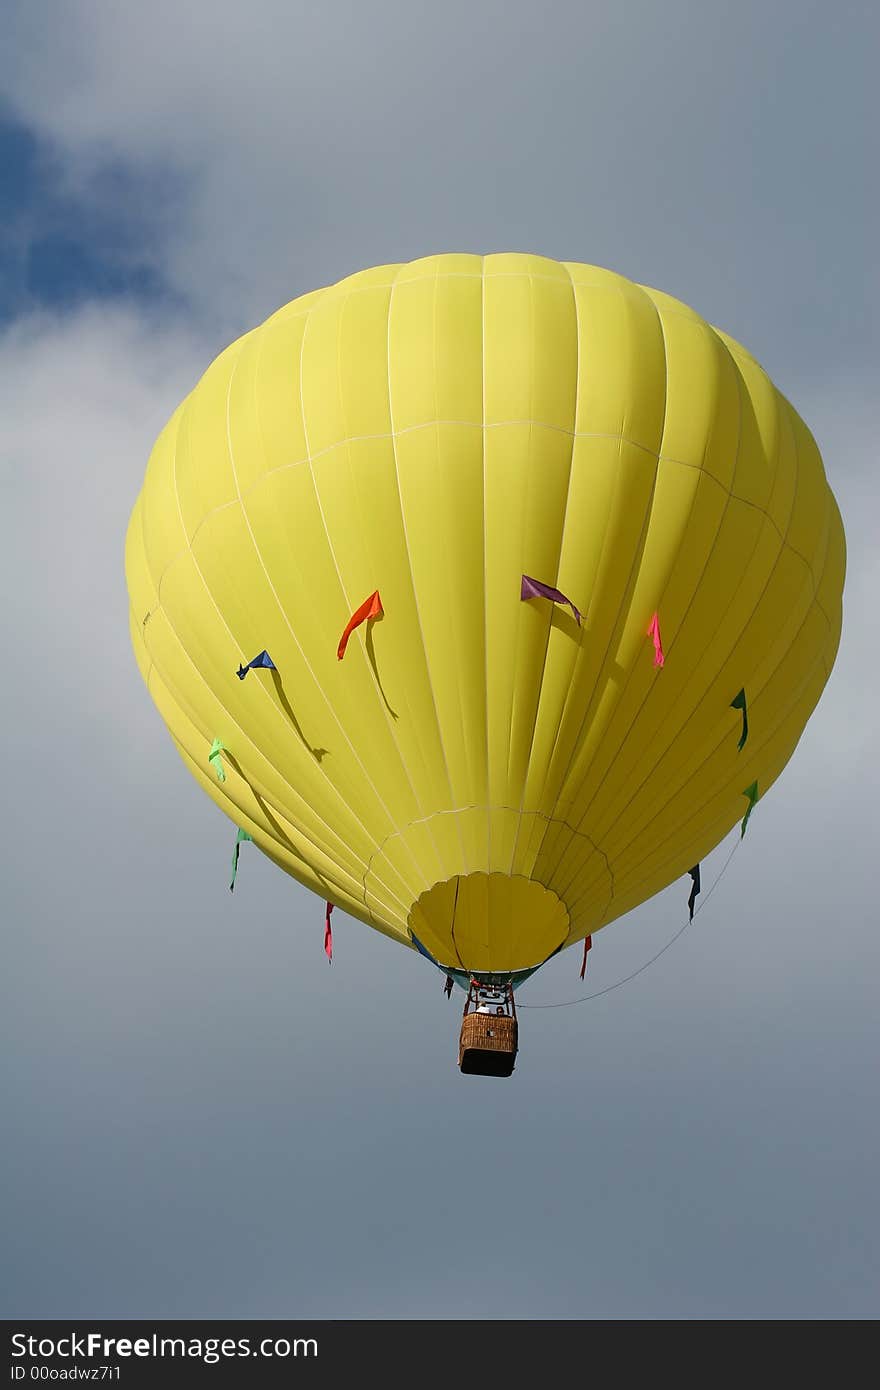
point(533, 588)
point(370, 608)
point(328, 934)
point(654, 631)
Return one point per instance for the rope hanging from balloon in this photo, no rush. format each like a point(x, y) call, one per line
point(566, 1003)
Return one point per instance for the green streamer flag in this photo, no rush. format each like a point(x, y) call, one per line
point(239, 841)
point(739, 702)
point(752, 793)
point(214, 759)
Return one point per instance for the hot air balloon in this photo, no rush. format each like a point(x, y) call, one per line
point(551, 578)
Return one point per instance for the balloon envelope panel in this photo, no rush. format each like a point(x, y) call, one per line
point(500, 776)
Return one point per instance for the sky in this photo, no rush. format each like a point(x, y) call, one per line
point(203, 1119)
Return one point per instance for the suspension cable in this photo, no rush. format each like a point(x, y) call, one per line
point(566, 1003)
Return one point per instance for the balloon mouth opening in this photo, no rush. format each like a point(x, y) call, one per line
point(492, 926)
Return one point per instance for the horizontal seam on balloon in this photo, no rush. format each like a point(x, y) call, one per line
point(328, 297)
point(462, 810)
point(282, 812)
point(495, 425)
point(222, 506)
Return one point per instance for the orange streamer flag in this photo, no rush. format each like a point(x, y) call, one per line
point(371, 608)
point(654, 631)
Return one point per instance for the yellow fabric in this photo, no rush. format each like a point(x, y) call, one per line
point(435, 431)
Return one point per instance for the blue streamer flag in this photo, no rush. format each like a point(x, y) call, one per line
point(264, 659)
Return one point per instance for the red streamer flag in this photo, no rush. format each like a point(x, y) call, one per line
point(328, 934)
point(654, 631)
point(588, 946)
point(370, 608)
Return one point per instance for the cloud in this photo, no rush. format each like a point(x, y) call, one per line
point(208, 1118)
point(314, 140)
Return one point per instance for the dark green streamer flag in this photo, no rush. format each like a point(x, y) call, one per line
point(739, 702)
point(239, 840)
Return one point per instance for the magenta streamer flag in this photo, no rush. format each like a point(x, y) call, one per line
point(328, 934)
point(654, 631)
point(533, 588)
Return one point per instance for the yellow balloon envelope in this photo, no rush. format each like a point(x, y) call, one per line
point(589, 563)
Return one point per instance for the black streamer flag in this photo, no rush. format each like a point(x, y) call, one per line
point(695, 889)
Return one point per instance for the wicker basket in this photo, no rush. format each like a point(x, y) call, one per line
point(488, 1044)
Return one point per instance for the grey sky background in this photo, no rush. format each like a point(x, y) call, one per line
point(203, 1119)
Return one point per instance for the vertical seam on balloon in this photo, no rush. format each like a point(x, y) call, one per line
point(256, 783)
point(412, 576)
point(382, 704)
point(511, 713)
point(771, 733)
point(727, 788)
point(741, 386)
point(242, 814)
point(626, 591)
point(259, 554)
point(470, 758)
point(452, 927)
point(560, 551)
point(715, 832)
point(317, 817)
point(270, 799)
point(740, 382)
point(511, 721)
point(731, 782)
point(246, 819)
point(418, 867)
point(485, 562)
point(671, 644)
